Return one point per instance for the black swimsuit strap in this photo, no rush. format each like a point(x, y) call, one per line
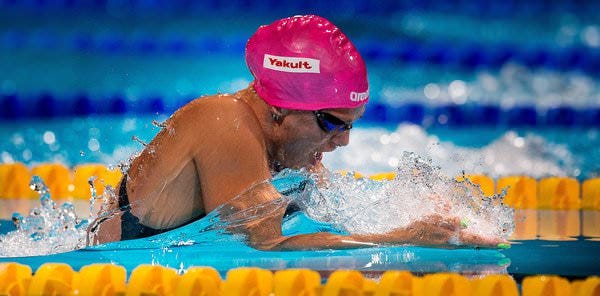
point(123, 198)
point(130, 224)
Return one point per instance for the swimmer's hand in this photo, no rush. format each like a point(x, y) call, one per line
point(439, 231)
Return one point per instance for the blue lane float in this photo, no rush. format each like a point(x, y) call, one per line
point(563, 115)
point(487, 114)
point(83, 105)
point(589, 117)
point(11, 107)
point(410, 113)
point(521, 116)
point(361, 7)
point(49, 105)
point(464, 55)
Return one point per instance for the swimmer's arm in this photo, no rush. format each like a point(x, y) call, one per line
point(265, 234)
point(433, 231)
point(264, 230)
point(258, 213)
point(324, 240)
point(317, 241)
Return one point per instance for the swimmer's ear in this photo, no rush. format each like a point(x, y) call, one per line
point(278, 114)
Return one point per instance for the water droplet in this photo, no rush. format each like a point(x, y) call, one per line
point(93, 145)
point(135, 138)
point(159, 124)
point(432, 91)
point(49, 137)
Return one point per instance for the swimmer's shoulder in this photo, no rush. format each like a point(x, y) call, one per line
point(220, 101)
point(224, 112)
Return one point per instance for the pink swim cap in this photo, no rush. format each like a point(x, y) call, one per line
point(306, 63)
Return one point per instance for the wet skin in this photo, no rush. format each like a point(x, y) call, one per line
point(215, 148)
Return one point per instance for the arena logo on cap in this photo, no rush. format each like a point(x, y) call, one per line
point(291, 64)
point(359, 96)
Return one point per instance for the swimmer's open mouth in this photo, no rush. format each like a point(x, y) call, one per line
point(318, 156)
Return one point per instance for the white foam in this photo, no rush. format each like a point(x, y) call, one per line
point(419, 190)
point(374, 150)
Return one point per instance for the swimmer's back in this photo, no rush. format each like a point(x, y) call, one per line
point(214, 140)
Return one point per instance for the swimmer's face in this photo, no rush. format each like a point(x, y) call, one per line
point(307, 135)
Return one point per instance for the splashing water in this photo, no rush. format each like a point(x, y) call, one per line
point(419, 190)
point(377, 150)
point(159, 124)
point(357, 206)
point(47, 229)
point(135, 138)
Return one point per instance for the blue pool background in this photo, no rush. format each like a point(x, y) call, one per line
point(456, 68)
point(79, 79)
point(153, 56)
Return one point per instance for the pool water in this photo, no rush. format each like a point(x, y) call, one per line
point(494, 88)
point(374, 148)
point(537, 152)
point(539, 246)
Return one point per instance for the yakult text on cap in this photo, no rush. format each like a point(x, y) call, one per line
point(291, 64)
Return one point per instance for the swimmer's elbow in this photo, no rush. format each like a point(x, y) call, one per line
point(104, 230)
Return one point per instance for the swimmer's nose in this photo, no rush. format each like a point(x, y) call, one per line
point(341, 139)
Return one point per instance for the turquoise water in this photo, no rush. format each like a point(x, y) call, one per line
point(42, 52)
point(109, 140)
point(539, 151)
point(177, 79)
point(208, 243)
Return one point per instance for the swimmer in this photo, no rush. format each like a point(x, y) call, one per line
point(310, 86)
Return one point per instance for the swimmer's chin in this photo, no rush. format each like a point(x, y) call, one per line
point(315, 160)
point(311, 163)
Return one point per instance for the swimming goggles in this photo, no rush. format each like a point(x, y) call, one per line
point(330, 123)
